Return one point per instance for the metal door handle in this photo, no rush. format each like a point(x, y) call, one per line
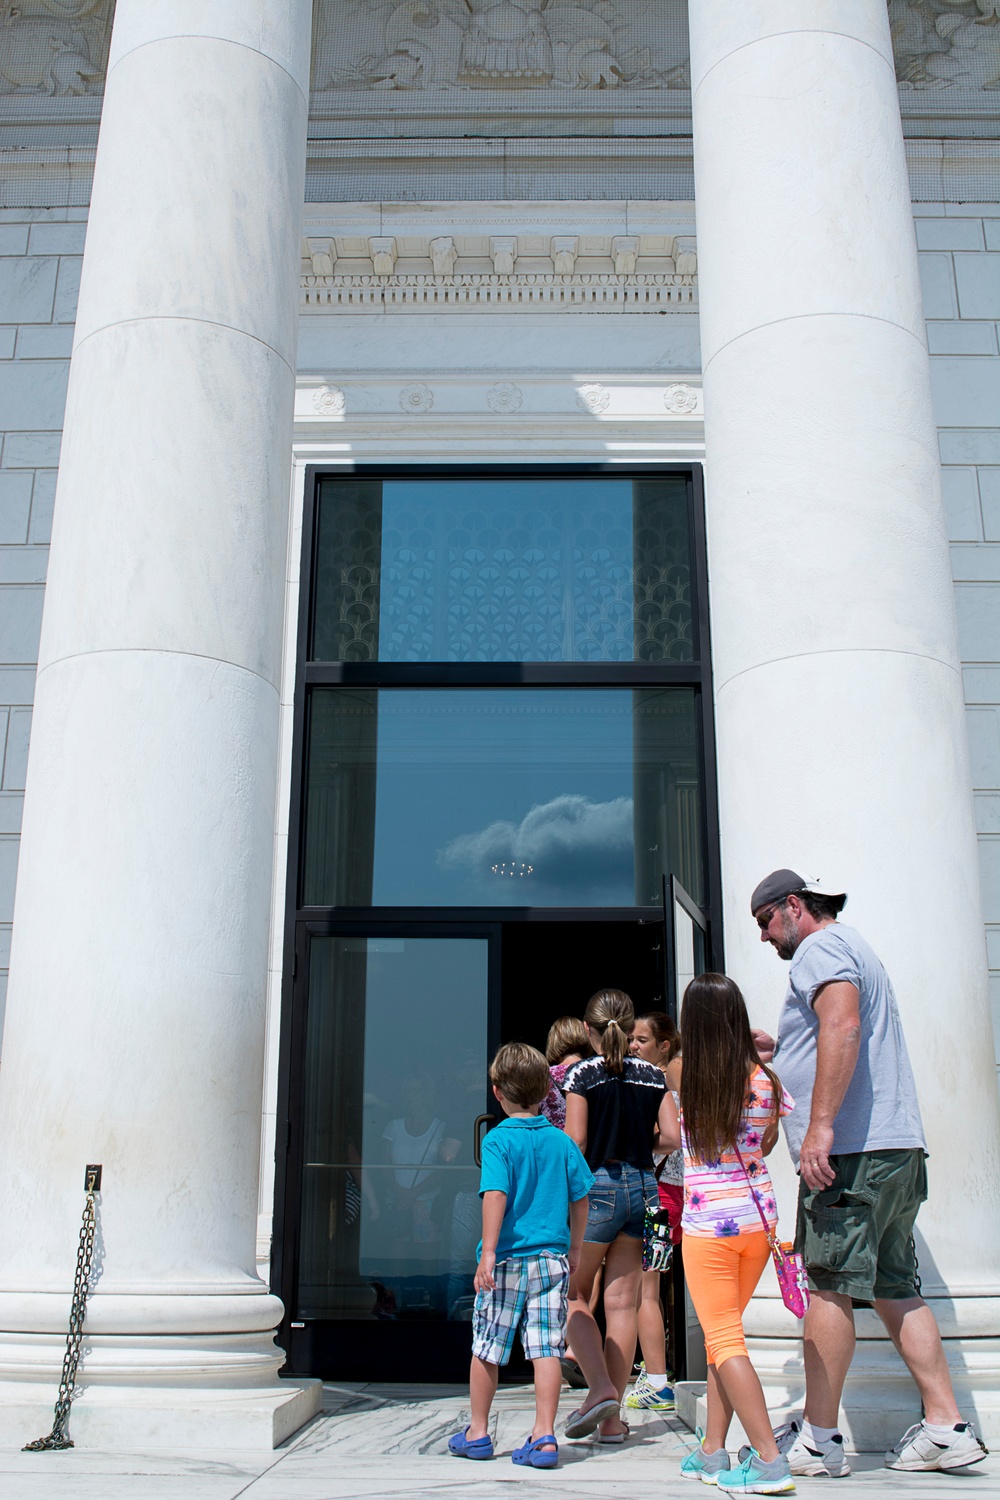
point(477, 1139)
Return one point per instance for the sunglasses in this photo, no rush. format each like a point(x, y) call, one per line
point(764, 920)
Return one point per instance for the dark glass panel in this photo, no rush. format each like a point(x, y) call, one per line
point(501, 797)
point(347, 566)
point(442, 569)
point(395, 1075)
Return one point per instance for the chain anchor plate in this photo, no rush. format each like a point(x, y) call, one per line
point(58, 1438)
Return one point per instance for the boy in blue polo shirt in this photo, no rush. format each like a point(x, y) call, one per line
point(534, 1188)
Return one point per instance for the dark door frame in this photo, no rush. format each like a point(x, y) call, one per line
point(301, 922)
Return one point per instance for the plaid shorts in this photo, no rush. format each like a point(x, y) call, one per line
point(529, 1298)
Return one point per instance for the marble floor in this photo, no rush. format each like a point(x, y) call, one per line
point(389, 1440)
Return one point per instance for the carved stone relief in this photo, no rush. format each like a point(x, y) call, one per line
point(946, 44)
point(500, 44)
point(504, 397)
point(329, 401)
point(53, 47)
point(416, 397)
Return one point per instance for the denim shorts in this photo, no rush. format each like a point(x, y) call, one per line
point(617, 1202)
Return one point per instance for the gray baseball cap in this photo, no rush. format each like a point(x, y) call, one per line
point(781, 883)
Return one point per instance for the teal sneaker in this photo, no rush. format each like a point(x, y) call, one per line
point(755, 1477)
point(704, 1466)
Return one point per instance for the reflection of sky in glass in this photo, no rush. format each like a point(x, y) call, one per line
point(489, 570)
point(519, 798)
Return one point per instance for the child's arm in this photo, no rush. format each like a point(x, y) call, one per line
point(668, 1127)
point(494, 1208)
point(577, 1226)
point(576, 1119)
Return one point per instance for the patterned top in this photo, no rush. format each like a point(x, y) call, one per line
point(554, 1103)
point(717, 1198)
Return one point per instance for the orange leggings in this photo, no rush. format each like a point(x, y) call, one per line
point(721, 1275)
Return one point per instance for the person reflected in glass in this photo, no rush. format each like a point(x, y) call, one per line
point(415, 1141)
point(617, 1109)
point(458, 1209)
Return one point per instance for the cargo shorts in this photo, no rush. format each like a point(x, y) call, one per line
point(856, 1236)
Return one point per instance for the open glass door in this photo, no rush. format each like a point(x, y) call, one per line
point(688, 942)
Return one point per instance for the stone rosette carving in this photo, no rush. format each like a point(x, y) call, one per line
point(416, 397)
point(593, 399)
point(329, 401)
point(680, 399)
point(504, 397)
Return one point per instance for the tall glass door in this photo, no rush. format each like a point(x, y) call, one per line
point(502, 759)
point(391, 1107)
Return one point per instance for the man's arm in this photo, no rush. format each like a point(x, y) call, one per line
point(837, 1047)
point(494, 1208)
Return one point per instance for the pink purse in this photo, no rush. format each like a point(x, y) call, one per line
point(789, 1266)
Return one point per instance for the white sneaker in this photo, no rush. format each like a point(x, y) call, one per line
point(813, 1459)
point(786, 1434)
point(917, 1450)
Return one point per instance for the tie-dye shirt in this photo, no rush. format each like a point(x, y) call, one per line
point(717, 1199)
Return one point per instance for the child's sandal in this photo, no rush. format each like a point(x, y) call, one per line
point(460, 1446)
point(537, 1453)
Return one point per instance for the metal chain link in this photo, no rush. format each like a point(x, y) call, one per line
point(58, 1437)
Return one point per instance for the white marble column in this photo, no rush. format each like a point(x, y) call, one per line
point(841, 734)
point(135, 1022)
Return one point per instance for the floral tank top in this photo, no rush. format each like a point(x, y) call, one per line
point(717, 1199)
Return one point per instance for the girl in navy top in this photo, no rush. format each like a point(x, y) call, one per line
point(617, 1109)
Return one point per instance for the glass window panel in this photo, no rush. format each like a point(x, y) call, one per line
point(419, 570)
point(390, 1206)
point(501, 797)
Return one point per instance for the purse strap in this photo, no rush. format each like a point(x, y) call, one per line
point(772, 1238)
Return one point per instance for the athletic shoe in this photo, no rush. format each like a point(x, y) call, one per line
point(916, 1449)
point(644, 1396)
point(755, 1477)
point(704, 1466)
point(814, 1460)
point(786, 1434)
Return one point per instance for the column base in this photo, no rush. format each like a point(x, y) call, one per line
point(142, 1388)
point(136, 1419)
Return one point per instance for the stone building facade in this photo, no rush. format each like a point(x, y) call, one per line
point(502, 257)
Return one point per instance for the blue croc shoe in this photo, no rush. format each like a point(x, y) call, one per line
point(460, 1446)
point(537, 1453)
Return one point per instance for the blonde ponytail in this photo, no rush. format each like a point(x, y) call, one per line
point(610, 1014)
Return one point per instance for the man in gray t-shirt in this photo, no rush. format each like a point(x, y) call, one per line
point(879, 1110)
point(856, 1137)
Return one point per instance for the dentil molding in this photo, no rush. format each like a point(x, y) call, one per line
point(544, 260)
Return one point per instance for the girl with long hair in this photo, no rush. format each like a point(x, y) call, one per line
point(656, 1039)
point(730, 1107)
point(617, 1109)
